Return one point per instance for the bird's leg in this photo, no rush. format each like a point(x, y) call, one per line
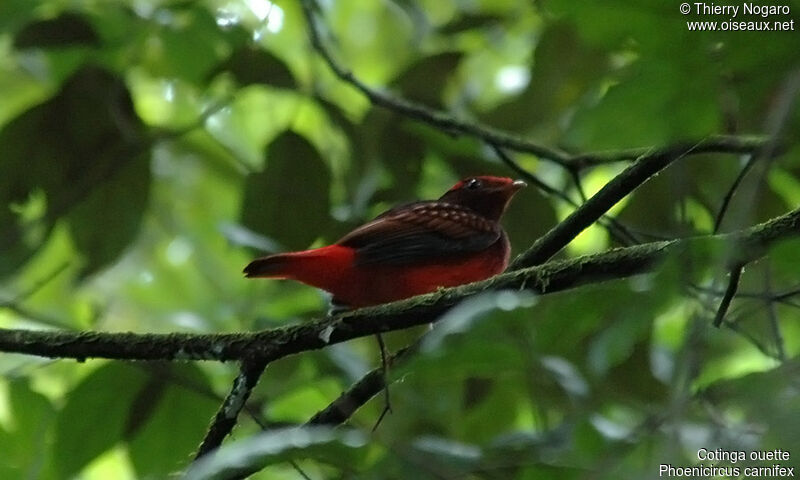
point(339, 307)
point(387, 406)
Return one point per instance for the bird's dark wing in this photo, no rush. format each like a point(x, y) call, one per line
point(419, 232)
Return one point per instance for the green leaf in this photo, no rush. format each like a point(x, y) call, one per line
point(470, 21)
point(785, 258)
point(189, 45)
point(401, 152)
point(95, 416)
point(251, 65)
point(466, 341)
point(68, 29)
point(425, 80)
point(15, 14)
point(26, 444)
point(175, 419)
point(86, 137)
point(494, 409)
point(399, 148)
point(338, 447)
point(117, 204)
point(292, 212)
point(564, 71)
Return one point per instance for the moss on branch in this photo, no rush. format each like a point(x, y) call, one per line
point(269, 345)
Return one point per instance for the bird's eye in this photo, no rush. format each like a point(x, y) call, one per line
point(473, 184)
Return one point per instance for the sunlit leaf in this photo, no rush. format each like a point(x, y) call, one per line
point(26, 443)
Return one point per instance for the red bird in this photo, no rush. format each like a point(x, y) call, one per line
point(409, 250)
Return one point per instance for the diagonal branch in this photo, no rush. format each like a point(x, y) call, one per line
point(360, 392)
point(775, 125)
point(250, 372)
point(422, 113)
point(730, 292)
point(618, 188)
point(594, 208)
point(617, 231)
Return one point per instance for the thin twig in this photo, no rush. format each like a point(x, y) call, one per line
point(730, 292)
point(15, 304)
point(42, 282)
point(359, 393)
point(211, 110)
point(576, 179)
point(750, 338)
point(776, 123)
point(726, 200)
point(713, 144)
point(387, 404)
point(422, 113)
point(772, 314)
point(765, 296)
point(299, 470)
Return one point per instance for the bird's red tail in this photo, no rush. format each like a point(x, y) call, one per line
point(320, 267)
point(274, 266)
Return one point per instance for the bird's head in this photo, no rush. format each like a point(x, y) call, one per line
point(486, 195)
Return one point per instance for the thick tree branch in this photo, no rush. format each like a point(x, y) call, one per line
point(269, 345)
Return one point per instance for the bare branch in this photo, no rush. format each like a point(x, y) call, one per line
point(730, 292)
point(359, 393)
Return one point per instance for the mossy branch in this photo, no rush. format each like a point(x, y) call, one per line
point(269, 345)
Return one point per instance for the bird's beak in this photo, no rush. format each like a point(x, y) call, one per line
point(518, 184)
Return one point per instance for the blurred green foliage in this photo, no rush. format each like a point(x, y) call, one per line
point(149, 149)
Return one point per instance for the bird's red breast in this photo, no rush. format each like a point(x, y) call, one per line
point(409, 250)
